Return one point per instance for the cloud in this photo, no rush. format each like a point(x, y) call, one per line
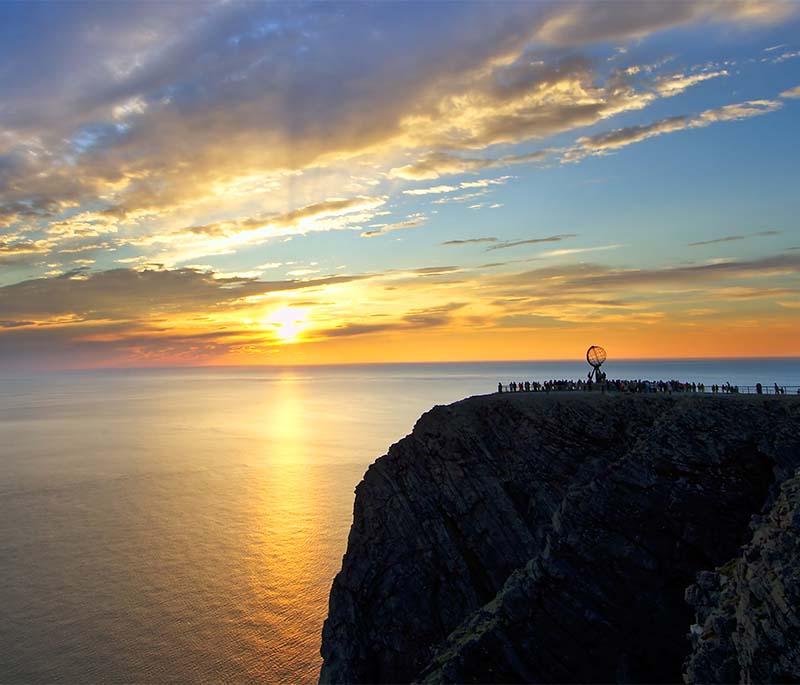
point(786, 56)
point(734, 112)
point(224, 237)
point(674, 85)
point(433, 190)
point(528, 99)
point(531, 241)
point(36, 207)
point(470, 241)
point(523, 101)
point(219, 92)
point(465, 197)
point(437, 164)
point(142, 120)
point(732, 238)
point(413, 221)
point(584, 278)
point(116, 344)
point(631, 134)
point(464, 185)
point(659, 296)
point(435, 270)
point(433, 317)
point(579, 250)
point(604, 143)
point(484, 182)
point(590, 22)
point(303, 219)
point(725, 239)
point(193, 315)
point(13, 250)
point(127, 294)
point(791, 93)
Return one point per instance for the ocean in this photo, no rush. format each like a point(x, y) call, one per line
point(185, 524)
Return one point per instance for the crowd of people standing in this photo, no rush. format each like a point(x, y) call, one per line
point(614, 385)
point(641, 386)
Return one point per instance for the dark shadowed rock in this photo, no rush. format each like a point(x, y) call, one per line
point(748, 611)
point(549, 538)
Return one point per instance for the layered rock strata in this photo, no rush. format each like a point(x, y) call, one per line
point(551, 538)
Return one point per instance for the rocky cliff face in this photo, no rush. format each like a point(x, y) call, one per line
point(551, 538)
point(748, 610)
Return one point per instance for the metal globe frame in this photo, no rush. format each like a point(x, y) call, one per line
point(595, 356)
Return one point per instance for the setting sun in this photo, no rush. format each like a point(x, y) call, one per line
point(287, 323)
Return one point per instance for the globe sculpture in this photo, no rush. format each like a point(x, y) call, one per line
point(595, 355)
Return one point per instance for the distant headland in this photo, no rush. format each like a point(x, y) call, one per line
point(577, 537)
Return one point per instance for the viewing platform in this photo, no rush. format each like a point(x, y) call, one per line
point(646, 387)
point(598, 381)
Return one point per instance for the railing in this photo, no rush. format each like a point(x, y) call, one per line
point(770, 390)
point(654, 389)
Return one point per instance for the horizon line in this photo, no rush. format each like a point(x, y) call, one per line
point(166, 367)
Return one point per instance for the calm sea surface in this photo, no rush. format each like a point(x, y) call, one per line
point(185, 525)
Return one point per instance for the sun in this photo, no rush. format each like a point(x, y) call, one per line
point(287, 323)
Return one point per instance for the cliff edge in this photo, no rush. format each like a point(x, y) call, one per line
point(552, 538)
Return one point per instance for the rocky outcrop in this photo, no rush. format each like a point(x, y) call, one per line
point(550, 538)
point(748, 610)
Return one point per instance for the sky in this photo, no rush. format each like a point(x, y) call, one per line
point(298, 183)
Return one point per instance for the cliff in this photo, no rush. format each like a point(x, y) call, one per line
point(552, 538)
point(748, 611)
